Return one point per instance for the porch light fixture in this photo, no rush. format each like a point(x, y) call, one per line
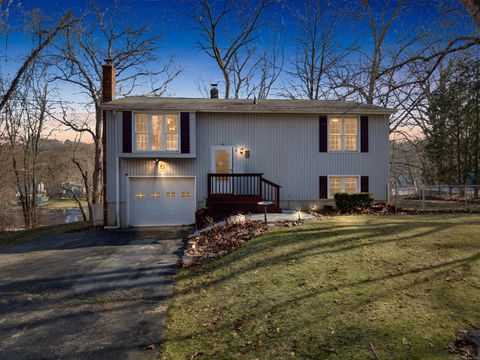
point(161, 165)
point(241, 151)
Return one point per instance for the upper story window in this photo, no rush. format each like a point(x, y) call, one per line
point(156, 132)
point(343, 134)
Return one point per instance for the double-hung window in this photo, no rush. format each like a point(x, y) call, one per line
point(156, 132)
point(339, 184)
point(343, 134)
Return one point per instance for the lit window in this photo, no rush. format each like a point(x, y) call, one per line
point(342, 134)
point(172, 132)
point(186, 194)
point(337, 184)
point(141, 132)
point(156, 132)
point(140, 195)
point(335, 134)
point(170, 194)
point(155, 195)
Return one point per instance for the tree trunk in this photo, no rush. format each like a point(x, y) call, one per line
point(97, 184)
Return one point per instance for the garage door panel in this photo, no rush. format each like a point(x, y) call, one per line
point(159, 201)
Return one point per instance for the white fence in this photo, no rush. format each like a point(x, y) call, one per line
point(436, 197)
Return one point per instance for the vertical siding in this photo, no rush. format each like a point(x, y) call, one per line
point(282, 146)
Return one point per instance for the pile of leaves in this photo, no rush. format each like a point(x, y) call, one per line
point(219, 240)
point(464, 347)
point(375, 209)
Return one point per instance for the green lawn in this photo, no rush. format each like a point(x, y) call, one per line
point(8, 238)
point(329, 289)
point(62, 204)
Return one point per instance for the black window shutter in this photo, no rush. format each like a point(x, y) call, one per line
point(323, 133)
point(364, 184)
point(127, 131)
point(323, 187)
point(364, 133)
point(185, 132)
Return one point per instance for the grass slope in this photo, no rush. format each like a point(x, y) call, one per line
point(329, 289)
point(15, 237)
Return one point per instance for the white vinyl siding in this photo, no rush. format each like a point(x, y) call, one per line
point(282, 146)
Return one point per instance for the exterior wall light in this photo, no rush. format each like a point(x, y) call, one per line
point(161, 165)
point(241, 151)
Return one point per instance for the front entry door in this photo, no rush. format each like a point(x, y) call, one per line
point(222, 163)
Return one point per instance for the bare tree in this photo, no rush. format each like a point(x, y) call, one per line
point(227, 35)
point(96, 36)
point(317, 51)
point(9, 88)
point(25, 116)
point(473, 7)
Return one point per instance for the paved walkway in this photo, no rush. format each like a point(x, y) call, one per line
point(286, 215)
point(87, 295)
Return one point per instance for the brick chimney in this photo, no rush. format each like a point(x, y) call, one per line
point(108, 81)
point(213, 91)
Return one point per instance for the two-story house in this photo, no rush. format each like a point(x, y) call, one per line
point(167, 157)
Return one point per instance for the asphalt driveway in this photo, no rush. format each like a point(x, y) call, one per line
point(87, 295)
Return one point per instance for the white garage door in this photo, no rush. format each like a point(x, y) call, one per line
point(161, 201)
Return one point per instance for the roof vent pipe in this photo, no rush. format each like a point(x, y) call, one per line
point(213, 91)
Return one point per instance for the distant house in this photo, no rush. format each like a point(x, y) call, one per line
point(167, 157)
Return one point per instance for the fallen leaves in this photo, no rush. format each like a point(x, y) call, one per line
point(220, 240)
point(464, 347)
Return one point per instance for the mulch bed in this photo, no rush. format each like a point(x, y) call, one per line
point(220, 240)
point(464, 347)
point(388, 209)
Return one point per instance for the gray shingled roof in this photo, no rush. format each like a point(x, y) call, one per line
point(246, 106)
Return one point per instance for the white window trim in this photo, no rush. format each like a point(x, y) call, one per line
point(328, 183)
point(343, 135)
point(149, 129)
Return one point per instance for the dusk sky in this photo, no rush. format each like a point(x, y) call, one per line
point(179, 35)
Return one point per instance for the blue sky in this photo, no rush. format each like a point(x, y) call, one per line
point(164, 16)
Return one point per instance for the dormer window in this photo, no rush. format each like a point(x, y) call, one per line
point(156, 132)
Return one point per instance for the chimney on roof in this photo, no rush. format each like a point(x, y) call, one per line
point(213, 91)
point(108, 81)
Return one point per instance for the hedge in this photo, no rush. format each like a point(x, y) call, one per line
point(348, 202)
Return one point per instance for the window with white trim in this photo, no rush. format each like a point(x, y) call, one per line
point(339, 184)
point(156, 132)
point(343, 134)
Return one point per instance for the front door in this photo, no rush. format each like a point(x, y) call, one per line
point(222, 163)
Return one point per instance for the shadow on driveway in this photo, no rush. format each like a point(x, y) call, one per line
point(87, 295)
